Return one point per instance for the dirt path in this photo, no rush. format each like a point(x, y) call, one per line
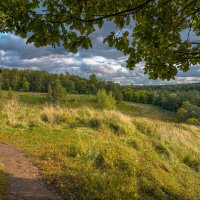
point(24, 182)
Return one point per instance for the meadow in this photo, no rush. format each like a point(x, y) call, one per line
point(133, 152)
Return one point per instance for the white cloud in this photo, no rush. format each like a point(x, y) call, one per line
point(107, 63)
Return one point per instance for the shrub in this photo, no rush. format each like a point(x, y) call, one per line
point(182, 114)
point(105, 100)
point(193, 121)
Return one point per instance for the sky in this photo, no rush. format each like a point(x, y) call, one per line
point(107, 63)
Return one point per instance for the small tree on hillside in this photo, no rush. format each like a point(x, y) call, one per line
point(93, 84)
point(25, 85)
point(118, 96)
point(182, 114)
point(56, 93)
point(105, 100)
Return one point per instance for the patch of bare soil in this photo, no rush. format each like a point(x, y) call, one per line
point(24, 181)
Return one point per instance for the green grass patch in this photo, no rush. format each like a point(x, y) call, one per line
point(32, 99)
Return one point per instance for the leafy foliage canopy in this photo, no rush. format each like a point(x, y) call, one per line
point(145, 30)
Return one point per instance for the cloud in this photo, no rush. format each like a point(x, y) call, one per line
point(107, 63)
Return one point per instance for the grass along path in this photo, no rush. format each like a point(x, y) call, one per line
point(23, 179)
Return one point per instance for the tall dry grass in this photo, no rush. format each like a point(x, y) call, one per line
point(23, 115)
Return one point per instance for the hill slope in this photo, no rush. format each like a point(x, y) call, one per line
point(89, 153)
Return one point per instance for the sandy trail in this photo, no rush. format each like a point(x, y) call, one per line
point(24, 181)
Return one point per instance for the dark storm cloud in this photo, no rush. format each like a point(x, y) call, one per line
point(18, 45)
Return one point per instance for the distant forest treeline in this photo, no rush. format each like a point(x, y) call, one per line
point(171, 88)
point(39, 81)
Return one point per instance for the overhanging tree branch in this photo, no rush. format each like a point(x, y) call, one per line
point(105, 16)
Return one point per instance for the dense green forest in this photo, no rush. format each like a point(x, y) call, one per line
point(172, 88)
point(40, 81)
point(183, 99)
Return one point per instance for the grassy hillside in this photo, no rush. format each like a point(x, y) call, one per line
point(88, 153)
